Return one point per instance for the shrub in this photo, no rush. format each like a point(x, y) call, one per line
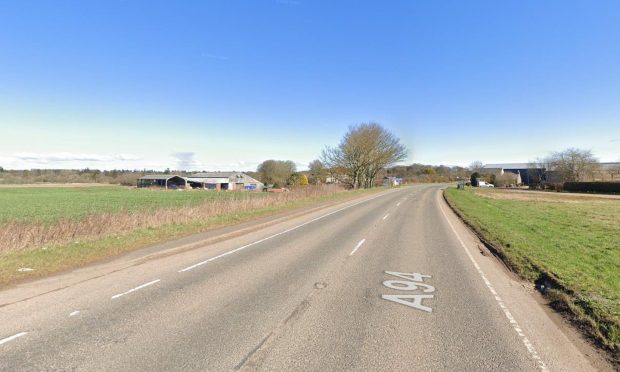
point(473, 178)
point(599, 187)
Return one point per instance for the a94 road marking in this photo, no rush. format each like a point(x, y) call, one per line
point(412, 282)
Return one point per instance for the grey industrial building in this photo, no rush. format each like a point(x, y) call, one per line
point(237, 181)
point(224, 181)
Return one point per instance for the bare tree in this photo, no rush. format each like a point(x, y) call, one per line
point(572, 165)
point(537, 172)
point(476, 166)
point(364, 150)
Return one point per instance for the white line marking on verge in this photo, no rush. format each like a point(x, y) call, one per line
point(5, 340)
point(528, 345)
point(275, 235)
point(76, 312)
point(386, 216)
point(135, 289)
point(357, 247)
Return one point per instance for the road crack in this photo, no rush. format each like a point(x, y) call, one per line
point(255, 357)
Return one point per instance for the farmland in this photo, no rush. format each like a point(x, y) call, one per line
point(52, 229)
point(571, 238)
point(50, 204)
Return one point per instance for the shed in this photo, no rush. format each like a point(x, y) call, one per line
point(166, 181)
point(224, 181)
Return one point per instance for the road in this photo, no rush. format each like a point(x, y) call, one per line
point(392, 281)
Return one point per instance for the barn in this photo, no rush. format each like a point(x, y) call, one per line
point(164, 181)
point(224, 181)
point(528, 173)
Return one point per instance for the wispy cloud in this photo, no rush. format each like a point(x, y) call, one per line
point(240, 166)
point(71, 157)
point(186, 160)
point(301, 166)
point(615, 140)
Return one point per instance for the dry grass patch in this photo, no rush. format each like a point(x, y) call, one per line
point(50, 230)
point(542, 196)
point(37, 222)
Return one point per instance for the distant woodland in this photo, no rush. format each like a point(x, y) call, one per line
point(415, 173)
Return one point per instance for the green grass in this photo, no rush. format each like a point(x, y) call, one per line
point(577, 243)
point(43, 204)
point(55, 258)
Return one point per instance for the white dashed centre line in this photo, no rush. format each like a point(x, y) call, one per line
point(76, 312)
point(135, 289)
point(513, 322)
point(386, 216)
point(275, 235)
point(398, 204)
point(357, 247)
point(5, 340)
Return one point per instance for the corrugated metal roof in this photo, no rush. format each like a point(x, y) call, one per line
point(601, 166)
point(609, 166)
point(208, 179)
point(232, 176)
point(159, 177)
point(214, 174)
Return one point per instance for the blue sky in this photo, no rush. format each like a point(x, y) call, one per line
point(222, 85)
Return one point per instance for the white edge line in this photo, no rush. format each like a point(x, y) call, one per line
point(357, 247)
point(386, 216)
point(278, 234)
point(5, 340)
point(135, 289)
point(528, 345)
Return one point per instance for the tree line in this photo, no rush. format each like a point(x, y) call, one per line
point(363, 153)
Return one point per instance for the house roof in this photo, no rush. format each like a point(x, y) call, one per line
point(158, 177)
point(507, 166)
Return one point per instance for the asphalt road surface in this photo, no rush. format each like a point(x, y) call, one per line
point(392, 281)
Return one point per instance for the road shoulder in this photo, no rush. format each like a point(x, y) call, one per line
point(549, 332)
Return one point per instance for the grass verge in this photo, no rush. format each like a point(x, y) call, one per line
point(55, 258)
point(569, 248)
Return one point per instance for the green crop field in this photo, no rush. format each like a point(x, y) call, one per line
point(48, 204)
point(50, 229)
point(574, 239)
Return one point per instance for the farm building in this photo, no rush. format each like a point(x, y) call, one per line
point(527, 173)
point(166, 181)
point(531, 174)
point(607, 172)
point(224, 181)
